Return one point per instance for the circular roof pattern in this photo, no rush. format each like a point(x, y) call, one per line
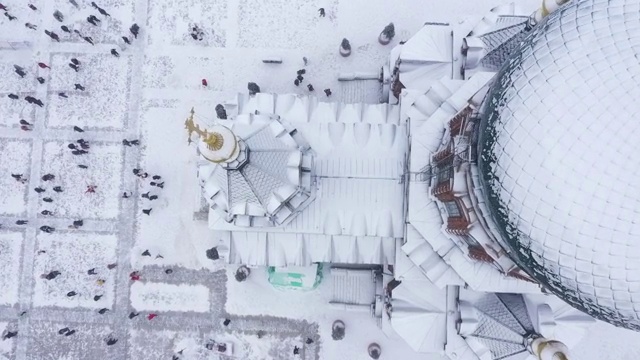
point(559, 150)
point(266, 184)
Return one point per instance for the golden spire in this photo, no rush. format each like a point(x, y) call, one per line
point(214, 141)
point(192, 127)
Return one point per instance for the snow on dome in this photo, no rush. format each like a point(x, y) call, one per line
point(260, 182)
point(558, 150)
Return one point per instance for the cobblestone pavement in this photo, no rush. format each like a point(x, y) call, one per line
point(37, 324)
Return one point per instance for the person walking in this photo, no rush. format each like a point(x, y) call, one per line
point(52, 35)
point(115, 53)
point(31, 26)
point(134, 29)
point(79, 87)
point(58, 16)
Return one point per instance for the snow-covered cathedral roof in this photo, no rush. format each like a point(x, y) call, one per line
point(559, 157)
point(339, 165)
point(268, 182)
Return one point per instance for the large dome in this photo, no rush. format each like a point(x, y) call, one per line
point(559, 153)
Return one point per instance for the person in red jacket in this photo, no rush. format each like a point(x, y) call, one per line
point(204, 82)
point(43, 65)
point(151, 316)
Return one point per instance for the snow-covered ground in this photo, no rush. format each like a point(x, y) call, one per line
point(73, 254)
point(167, 297)
point(15, 159)
point(10, 249)
point(146, 94)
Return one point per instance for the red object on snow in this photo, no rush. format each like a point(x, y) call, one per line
point(204, 82)
point(91, 189)
point(43, 65)
point(151, 316)
point(134, 276)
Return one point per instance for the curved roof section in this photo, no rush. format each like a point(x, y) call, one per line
point(268, 186)
point(559, 145)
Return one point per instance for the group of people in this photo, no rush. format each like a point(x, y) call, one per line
point(299, 78)
point(155, 182)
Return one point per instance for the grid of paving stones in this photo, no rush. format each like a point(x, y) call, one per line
point(38, 308)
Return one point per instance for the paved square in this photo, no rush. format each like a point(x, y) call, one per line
point(15, 158)
point(180, 72)
point(105, 169)
point(170, 22)
point(108, 30)
point(73, 254)
point(103, 104)
point(168, 297)
point(257, 15)
point(10, 251)
point(14, 110)
point(86, 344)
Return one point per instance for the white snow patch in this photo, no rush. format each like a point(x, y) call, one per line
point(14, 159)
point(167, 297)
point(10, 249)
point(103, 104)
point(184, 241)
point(105, 166)
point(73, 254)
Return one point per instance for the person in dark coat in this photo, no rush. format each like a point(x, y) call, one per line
point(77, 129)
point(72, 294)
point(52, 275)
point(147, 211)
point(111, 341)
point(134, 29)
point(31, 26)
point(63, 95)
point(103, 12)
point(65, 29)
point(93, 20)
point(47, 229)
point(115, 53)
point(48, 200)
point(74, 67)
point(88, 39)
point(57, 189)
point(9, 16)
point(20, 72)
point(327, 92)
point(22, 222)
point(48, 177)
point(310, 87)
point(126, 40)
point(52, 35)
point(79, 87)
point(40, 79)
point(97, 297)
point(13, 96)
point(39, 190)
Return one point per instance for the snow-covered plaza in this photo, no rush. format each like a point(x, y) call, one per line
point(54, 275)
